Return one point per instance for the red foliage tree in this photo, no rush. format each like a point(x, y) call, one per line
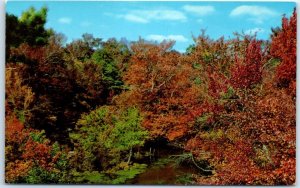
point(247, 70)
point(249, 138)
point(283, 47)
point(24, 150)
point(255, 146)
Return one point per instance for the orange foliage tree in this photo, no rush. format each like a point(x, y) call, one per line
point(159, 84)
point(27, 150)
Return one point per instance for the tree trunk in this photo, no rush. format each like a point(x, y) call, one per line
point(130, 154)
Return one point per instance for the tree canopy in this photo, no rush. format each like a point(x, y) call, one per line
point(89, 111)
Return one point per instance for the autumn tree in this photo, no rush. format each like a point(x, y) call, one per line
point(250, 140)
point(18, 96)
point(82, 112)
point(52, 76)
point(159, 83)
point(29, 156)
point(83, 49)
point(248, 71)
point(283, 47)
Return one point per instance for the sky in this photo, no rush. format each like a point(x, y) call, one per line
point(156, 21)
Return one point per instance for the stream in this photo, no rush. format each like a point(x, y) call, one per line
point(165, 170)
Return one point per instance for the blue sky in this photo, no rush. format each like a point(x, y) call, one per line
point(159, 20)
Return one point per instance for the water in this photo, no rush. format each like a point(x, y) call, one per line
point(166, 171)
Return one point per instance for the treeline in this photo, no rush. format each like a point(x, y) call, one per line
point(82, 112)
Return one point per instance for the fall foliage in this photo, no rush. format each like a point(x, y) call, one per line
point(88, 111)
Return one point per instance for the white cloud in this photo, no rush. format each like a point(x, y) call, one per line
point(145, 16)
point(65, 20)
point(254, 31)
point(159, 38)
point(199, 10)
point(257, 14)
point(252, 11)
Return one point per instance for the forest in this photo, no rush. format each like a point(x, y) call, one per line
point(96, 111)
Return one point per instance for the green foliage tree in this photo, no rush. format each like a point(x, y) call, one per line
point(113, 58)
point(29, 28)
point(106, 134)
point(127, 132)
point(13, 35)
point(34, 22)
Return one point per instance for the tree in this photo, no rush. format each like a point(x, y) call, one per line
point(34, 26)
point(113, 58)
point(283, 47)
point(229, 104)
point(18, 96)
point(52, 76)
point(13, 35)
point(159, 84)
point(82, 49)
point(104, 135)
point(248, 71)
point(127, 133)
point(29, 156)
point(29, 28)
point(241, 133)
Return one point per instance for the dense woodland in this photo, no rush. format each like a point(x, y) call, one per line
point(87, 111)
